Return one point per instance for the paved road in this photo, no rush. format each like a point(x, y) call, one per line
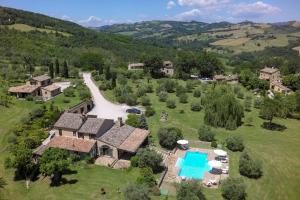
point(103, 108)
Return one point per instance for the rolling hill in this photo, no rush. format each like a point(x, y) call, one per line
point(222, 37)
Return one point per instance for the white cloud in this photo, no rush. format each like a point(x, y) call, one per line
point(202, 3)
point(67, 18)
point(189, 15)
point(256, 9)
point(93, 21)
point(171, 4)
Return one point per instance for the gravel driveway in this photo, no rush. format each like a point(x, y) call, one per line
point(103, 108)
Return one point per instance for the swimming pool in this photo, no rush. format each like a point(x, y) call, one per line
point(193, 165)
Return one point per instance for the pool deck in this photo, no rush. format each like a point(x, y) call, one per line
point(172, 174)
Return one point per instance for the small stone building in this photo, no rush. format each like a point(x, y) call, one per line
point(270, 74)
point(278, 87)
point(168, 68)
point(50, 91)
point(24, 90)
point(36, 86)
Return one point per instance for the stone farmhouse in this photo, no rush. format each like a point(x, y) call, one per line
point(167, 68)
point(84, 135)
point(36, 86)
point(273, 76)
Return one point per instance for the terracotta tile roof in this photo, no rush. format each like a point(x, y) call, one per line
point(51, 88)
point(134, 140)
point(41, 78)
point(93, 125)
point(23, 89)
point(269, 70)
point(278, 84)
point(72, 144)
point(116, 135)
point(69, 121)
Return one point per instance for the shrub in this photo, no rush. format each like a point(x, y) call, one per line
point(183, 98)
point(8, 163)
point(214, 144)
point(196, 106)
point(257, 103)
point(84, 94)
point(147, 177)
point(163, 96)
point(181, 111)
point(145, 101)
point(180, 90)
point(141, 91)
point(233, 189)
point(205, 134)
point(66, 100)
point(134, 161)
point(235, 143)
point(197, 93)
point(136, 192)
point(133, 120)
point(89, 159)
point(149, 158)
point(240, 95)
point(249, 167)
point(29, 98)
point(131, 100)
point(168, 137)
point(149, 111)
point(190, 190)
point(171, 103)
point(69, 92)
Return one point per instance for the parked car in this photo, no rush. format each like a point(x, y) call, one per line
point(133, 111)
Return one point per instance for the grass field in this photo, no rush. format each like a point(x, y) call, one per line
point(231, 42)
point(279, 152)
point(27, 28)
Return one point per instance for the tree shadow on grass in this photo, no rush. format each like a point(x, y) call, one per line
point(273, 126)
point(70, 172)
point(63, 181)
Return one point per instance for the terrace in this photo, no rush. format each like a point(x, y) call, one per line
point(211, 178)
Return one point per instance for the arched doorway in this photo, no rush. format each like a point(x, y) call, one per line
point(105, 151)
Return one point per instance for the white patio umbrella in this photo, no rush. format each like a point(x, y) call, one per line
point(220, 152)
point(182, 142)
point(215, 164)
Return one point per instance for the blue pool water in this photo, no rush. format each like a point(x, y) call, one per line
point(193, 165)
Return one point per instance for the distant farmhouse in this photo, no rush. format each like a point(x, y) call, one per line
point(273, 76)
point(85, 135)
point(233, 79)
point(36, 86)
point(167, 68)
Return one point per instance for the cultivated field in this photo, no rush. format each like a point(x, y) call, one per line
point(27, 28)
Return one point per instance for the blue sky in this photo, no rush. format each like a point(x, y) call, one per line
point(103, 12)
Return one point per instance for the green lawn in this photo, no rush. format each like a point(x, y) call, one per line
point(279, 151)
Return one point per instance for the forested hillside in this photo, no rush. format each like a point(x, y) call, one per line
point(40, 38)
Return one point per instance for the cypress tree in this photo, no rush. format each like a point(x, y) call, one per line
point(65, 70)
point(57, 67)
point(51, 70)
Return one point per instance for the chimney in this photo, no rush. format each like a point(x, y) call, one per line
point(120, 122)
